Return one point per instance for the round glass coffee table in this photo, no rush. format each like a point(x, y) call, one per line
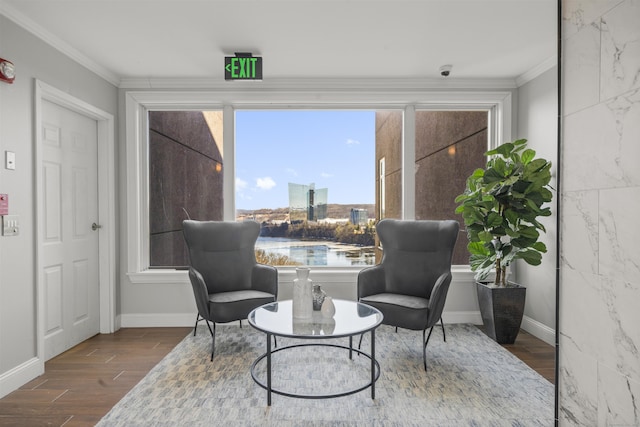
point(350, 319)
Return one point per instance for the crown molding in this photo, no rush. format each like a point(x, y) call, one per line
point(536, 71)
point(21, 20)
point(324, 84)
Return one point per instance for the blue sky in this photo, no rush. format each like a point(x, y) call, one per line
point(334, 149)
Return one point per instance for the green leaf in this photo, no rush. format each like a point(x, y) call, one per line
point(531, 257)
point(527, 155)
point(540, 247)
point(493, 219)
point(485, 236)
point(492, 175)
point(520, 142)
point(477, 248)
point(503, 150)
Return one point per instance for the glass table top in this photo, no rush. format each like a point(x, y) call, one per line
point(351, 318)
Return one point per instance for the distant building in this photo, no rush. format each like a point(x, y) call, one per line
point(359, 216)
point(306, 203)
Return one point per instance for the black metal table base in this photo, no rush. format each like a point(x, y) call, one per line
point(375, 370)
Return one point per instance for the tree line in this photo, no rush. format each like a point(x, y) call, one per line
point(353, 234)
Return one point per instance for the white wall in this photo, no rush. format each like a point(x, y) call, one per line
point(599, 303)
point(33, 59)
point(155, 298)
point(538, 123)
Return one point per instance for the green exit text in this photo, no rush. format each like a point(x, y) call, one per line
point(237, 68)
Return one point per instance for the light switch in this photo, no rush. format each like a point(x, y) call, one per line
point(10, 160)
point(10, 225)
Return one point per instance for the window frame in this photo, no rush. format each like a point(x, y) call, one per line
point(137, 103)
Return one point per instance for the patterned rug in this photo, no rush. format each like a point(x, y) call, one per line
point(471, 381)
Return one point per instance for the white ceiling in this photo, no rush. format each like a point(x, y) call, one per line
point(161, 39)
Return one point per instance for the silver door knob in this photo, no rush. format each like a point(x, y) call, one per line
point(95, 226)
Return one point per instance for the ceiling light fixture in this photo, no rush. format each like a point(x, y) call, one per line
point(445, 70)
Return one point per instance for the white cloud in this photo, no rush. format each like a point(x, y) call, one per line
point(352, 141)
point(292, 172)
point(265, 183)
point(241, 184)
point(326, 175)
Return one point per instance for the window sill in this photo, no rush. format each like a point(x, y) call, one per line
point(285, 274)
point(159, 276)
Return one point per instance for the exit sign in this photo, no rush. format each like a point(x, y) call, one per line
point(243, 66)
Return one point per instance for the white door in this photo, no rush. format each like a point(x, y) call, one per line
point(68, 244)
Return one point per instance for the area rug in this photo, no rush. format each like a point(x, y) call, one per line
point(470, 381)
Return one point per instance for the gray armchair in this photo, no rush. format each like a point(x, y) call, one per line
point(227, 281)
point(410, 284)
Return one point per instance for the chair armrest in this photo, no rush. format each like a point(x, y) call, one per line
point(265, 278)
point(371, 281)
point(200, 292)
point(438, 298)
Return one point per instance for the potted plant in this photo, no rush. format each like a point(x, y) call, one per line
point(501, 206)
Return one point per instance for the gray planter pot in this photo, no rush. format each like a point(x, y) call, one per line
point(501, 309)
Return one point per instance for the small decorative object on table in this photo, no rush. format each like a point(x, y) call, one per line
point(318, 297)
point(328, 307)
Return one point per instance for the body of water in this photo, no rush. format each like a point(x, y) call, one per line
point(318, 253)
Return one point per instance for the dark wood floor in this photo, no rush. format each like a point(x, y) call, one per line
point(80, 386)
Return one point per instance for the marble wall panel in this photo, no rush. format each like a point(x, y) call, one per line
point(619, 337)
point(580, 231)
point(599, 316)
point(619, 252)
point(620, 41)
point(585, 319)
point(621, 129)
point(577, 386)
point(618, 399)
point(581, 69)
point(600, 147)
point(576, 14)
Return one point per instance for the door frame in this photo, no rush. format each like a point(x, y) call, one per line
point(106, 205)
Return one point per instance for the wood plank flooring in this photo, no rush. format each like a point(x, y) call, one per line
point(81, 385)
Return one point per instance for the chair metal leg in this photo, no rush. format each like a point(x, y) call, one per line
point(424, 348)
point(444, 337)
point(195, 328)
point(213, 337)
point(360, 342)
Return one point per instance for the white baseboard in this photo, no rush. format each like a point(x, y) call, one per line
point(472, 317)
point(157, 320)
point(539, 330)
point(20, 375)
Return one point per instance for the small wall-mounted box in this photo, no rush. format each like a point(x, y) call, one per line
point(10, 225)
point(4, 204)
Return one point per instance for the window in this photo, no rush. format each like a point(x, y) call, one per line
point(402, 165)
point(308, 176)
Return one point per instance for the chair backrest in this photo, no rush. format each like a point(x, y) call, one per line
point(223, 252)
point(416, 253)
